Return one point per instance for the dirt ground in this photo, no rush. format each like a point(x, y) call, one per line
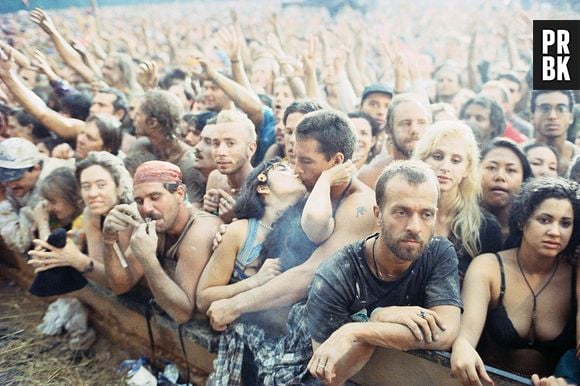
point(29, 358)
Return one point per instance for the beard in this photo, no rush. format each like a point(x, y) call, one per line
point(406, 253)
point(400, 148)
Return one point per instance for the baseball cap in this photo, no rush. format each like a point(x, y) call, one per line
point(377, 87)
point(17, 155)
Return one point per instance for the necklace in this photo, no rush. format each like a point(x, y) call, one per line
point(532, 333)
point(268, 227)
point(377, 270)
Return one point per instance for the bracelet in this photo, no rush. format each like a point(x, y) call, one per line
point(90, 267)
point(234, 60)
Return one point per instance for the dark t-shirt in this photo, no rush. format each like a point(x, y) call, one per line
point(344, 289)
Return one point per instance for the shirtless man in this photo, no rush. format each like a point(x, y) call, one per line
point(324, 146)
point(407, 119)
point(233, 145)
point(173, 231)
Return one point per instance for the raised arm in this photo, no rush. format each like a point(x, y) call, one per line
point(309, 65)
point(229, 39)
point(317, 218)
point(246, 100)
point(59, 124)
point(71, 57)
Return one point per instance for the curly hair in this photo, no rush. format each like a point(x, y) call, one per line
point(536, 191)
point(114, 165)
point(250, 203)
point(467, 217)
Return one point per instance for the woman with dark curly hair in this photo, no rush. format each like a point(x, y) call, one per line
point(234, 267)
point(521, 302)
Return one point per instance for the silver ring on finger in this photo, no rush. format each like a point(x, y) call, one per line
point(422, 314)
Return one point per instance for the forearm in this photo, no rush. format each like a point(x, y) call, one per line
point(283, 290)
point(244, 99)
point(354, 74)
point(346, 95)
point(317, 221)
point(209, 295)
point(311, 85)
point(239, 73)
point(36, 107)
point(396, 336)
point(167, 293)
point(120, 279)
point(20, 59)
point(71, 58)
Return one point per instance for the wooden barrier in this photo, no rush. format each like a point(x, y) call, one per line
point(122, 320)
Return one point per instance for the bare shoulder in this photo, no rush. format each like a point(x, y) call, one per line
point(359, 195)
point(485, 266)
point(355, 215)
point(369, 173)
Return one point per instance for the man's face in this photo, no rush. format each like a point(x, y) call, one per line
point(214, 97)
point(103, 103)
point(15, 129)
point(157, 203)
point(203, 149)
point(232, 147)
point(111, 71)
point(552, 116)
point(479, 116)
point(447, 83)
point(515, 93)
point(410, 120)
point(20, 187)
point(310, 161)
point(290, 136)
point(282, 98)
point(89, 139)
point(408, 218)
point(140, 122)
point(376, 105)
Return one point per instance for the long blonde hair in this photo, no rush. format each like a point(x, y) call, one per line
point(467, 216)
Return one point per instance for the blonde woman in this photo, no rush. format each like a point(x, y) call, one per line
point(451, 150)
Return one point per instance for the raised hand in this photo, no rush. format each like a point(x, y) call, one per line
point(340, 174)
point(148, 74)
point(229, 40)
point(41, 18)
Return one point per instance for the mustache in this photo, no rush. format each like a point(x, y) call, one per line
point(409, 236)
point(152, 216)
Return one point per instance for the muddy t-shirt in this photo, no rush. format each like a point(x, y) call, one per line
point(345, 290)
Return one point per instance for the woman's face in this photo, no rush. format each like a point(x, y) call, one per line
point(98, 190)
point(364, 140)
point(543, 161)
point(447, 82)
point(549, 228)
point(501, 177)
point(285, 184)
point(59, 207)
point(450, 163)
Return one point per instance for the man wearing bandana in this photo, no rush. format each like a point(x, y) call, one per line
point(171, 240)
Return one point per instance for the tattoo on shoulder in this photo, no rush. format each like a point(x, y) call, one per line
point(360, 211)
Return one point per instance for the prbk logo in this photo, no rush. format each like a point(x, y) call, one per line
point(557, 54)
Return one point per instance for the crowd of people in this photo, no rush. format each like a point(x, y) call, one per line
point(316, 185)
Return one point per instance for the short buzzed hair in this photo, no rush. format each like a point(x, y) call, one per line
point(400, 99)
point(415, 172)
point(235, 116)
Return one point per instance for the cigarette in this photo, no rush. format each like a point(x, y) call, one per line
point(120, 255)
point(147, 221)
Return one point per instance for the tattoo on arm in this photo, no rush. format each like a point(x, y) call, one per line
point(360, 211)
